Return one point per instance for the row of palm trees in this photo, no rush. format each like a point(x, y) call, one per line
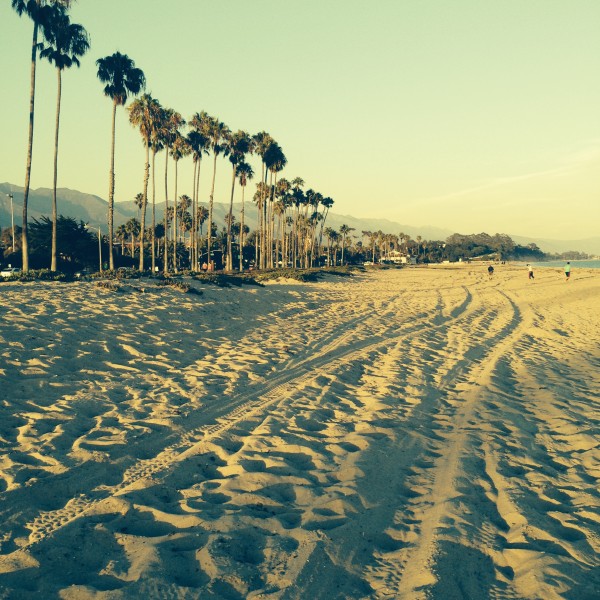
point(290, 220)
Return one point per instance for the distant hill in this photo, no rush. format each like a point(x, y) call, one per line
point(589, 245)
point(93, 210)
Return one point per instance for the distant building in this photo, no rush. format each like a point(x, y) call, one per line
point(398, 258)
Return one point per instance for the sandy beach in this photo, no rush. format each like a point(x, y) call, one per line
point(416, 433)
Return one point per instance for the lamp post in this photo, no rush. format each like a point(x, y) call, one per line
point(12, 220)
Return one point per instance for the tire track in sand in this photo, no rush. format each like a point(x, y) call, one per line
point(340, 347)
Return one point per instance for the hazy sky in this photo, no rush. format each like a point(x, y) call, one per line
point(472, 115)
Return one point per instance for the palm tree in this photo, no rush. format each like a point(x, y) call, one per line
point(37, 11)
point(199, 144)
point(139, 202)
point(297, 199)
point(132, 227)
point(157, 145)
point(275, 161)
point(185, 202)
point(331, 236)
point(313, 200)
point(239, 144)
point(172, 121)
point(122, 79)
point(201, 217)
point(245, 174)
point(144, 113)
point(344, 231)
point(216, 131)
point(179, 149)
point(284, 201)
point(67, 42)
point(327, 203)
point(121, 234)
point(262, 142)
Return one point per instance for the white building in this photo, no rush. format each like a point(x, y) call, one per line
point(399, 258)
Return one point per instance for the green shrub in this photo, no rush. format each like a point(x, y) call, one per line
point(179, 285)
point(117, 274)
point(108, 284)
point(39, 275)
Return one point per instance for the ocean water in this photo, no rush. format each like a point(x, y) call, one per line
point(575, 264)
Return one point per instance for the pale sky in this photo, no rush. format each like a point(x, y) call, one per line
point(471, 115)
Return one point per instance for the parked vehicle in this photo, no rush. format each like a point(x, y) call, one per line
point(9, 272)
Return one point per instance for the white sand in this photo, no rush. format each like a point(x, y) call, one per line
point(422, 433)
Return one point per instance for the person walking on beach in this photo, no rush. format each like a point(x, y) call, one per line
point(530, 270)
point(568, 271)
point(491, 271)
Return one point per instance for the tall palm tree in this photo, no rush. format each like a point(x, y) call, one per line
point(313, 200)
point(330, 234)
point(327, 203)
point(139, 202)
point(262, 142)
point(284, 201)
point(122, 79)
point(297, 199)
point(239, 144)
point(132, 227)
point(37, 11)
point(216, 132)
point(245, 174)
point(199, 144)
point(66, 43)
point(157, 146)
point(185, 218)
point(344, 231)
point(275, 161)
point(144, 113)
point(121, 234)
point(179, 149)
point(166, 135)
point(202, 217)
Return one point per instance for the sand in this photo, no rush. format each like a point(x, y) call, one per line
point(416, 433)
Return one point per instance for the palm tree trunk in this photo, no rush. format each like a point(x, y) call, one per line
point(198, 224)
point(242, 230)
point(153, 232)
point(265, 226)
point(229, 249)
point(24, 243)
point(210, 211)
point(194, 221)
point(111, 191)
point(272, 241)
point(257, 238)
point(145, 202)
point(175, 222)
point(54, 207)
point(166, 244)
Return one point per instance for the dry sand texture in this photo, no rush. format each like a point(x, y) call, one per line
point(417, 433)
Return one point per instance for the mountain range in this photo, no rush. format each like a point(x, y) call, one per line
point(93, 210)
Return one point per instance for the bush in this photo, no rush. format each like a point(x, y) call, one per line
point(121, 273)
point(303, 275)
point(226, 279)
point(39, 275)
point(108, 284)
point(179, 285)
